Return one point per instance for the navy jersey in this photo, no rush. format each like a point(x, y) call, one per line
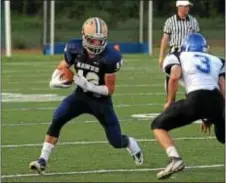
point(93, 69)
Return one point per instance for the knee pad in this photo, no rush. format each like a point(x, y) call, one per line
point(121, 142)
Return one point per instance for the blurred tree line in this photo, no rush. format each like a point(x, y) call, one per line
point(115, 9)
point(122, 17)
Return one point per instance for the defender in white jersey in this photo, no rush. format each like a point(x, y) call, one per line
point(203, 76)
point(196, 73)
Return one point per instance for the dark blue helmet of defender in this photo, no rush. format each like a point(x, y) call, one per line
point(194, 42)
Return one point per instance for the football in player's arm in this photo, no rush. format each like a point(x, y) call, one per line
point(95, 66)
point(109, 77)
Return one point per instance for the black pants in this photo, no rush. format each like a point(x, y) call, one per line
point(198, 105)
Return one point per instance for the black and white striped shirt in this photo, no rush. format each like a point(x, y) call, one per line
point(178, 28)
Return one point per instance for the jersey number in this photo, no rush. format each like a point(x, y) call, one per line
point(204, 65)
point(92, 77)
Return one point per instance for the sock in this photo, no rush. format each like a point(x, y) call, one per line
point(133, 147)
point(46, 150)
point(172, 152)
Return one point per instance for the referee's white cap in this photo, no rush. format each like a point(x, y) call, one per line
point(183, 3)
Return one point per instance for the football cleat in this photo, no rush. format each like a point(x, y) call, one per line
point(138, 158)
point(176, 164)
point(135, 151)
point(38, 166)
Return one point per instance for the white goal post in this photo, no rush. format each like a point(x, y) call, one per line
point(8, 45)
point(8, 40)
point(150, 17)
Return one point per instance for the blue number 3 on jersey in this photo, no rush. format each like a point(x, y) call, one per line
point(204, 67)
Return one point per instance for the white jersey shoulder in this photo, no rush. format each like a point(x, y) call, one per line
point(200, 70)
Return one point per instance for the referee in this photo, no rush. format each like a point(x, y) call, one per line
point(176, 28)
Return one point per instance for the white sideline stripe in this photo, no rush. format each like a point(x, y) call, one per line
point(52, 108)
point(45, 75)
point(118, 86)
point(51, 63)
point(51, 66)
point(84, 122)
point(131, 78)
point(45, 123)
point(146, 69)
point(100, 142)
point(117, 94)
point(110, 171)
point(19, 97)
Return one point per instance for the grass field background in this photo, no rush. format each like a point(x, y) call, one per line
point(83, 154)
point(24, 27)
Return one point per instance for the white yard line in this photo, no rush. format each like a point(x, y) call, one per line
point(110, 171)
point(116, 94)
point(43, 80)
point(19, 97)
point(98, 142)
point(118, 86)
point(17, 70)
point(127, 60)
point(53, 108)
point(45, 75)
point(140, 120)
point(46, 123)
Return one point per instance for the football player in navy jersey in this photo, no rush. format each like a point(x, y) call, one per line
point(95, 65)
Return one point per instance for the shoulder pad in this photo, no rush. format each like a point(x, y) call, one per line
point(112, 59)
point(171, 60)
point(73, 46)
point(112, 56)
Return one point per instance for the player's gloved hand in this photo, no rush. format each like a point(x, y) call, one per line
point(205, 126)
point(81, 81)
point(56, 81)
